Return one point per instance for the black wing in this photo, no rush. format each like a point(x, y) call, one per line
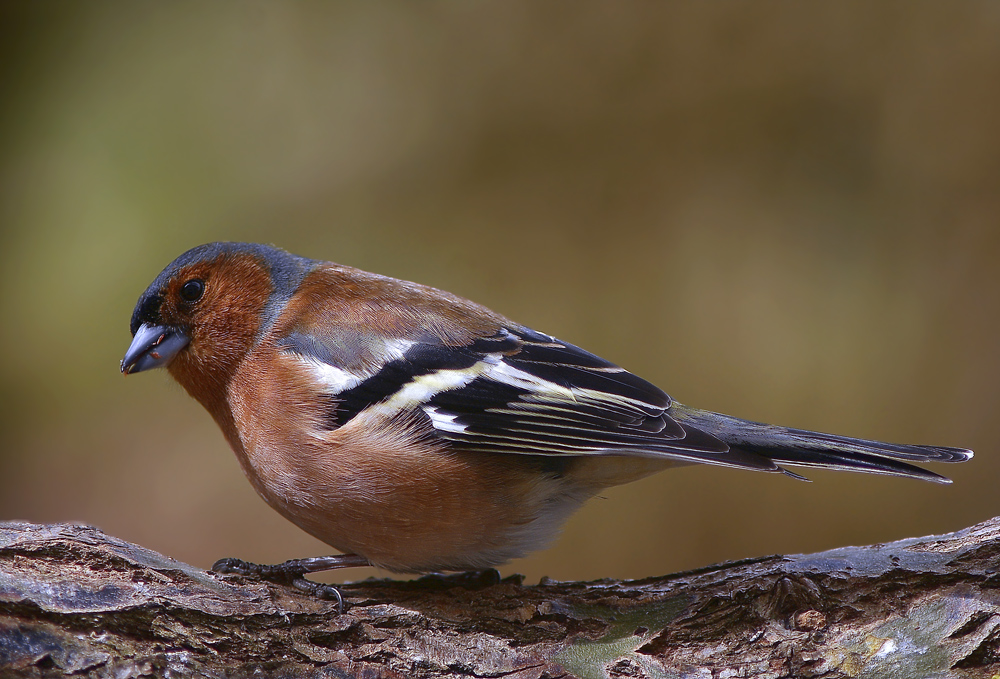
point(524, 392)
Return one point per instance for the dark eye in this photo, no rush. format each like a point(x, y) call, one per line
point(192, 290)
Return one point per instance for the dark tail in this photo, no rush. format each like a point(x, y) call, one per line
point(800, 448)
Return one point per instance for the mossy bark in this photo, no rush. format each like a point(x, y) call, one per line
point(77, 602)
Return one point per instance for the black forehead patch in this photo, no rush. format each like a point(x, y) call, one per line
point(287, 271)
point(147, 310)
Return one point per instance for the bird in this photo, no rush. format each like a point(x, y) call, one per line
point(417, 431)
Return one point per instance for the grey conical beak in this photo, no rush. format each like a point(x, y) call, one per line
point(152, 347)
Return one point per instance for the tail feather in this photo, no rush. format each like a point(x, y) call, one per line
point(800, 448)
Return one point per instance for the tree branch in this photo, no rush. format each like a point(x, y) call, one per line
point(74, 601)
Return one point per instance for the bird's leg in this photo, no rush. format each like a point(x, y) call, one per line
point(293, 573)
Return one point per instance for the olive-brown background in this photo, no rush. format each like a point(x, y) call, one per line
point(783, 211)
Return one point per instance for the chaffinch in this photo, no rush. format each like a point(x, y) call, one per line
point(418, 431)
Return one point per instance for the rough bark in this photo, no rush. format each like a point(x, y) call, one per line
point(77, 602)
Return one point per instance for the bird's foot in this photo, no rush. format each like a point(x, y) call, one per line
point(293, 573)
point(468, 579)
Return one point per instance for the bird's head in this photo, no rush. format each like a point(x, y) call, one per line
point(208, 308)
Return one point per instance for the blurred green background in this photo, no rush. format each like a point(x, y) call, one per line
point(783, 211)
